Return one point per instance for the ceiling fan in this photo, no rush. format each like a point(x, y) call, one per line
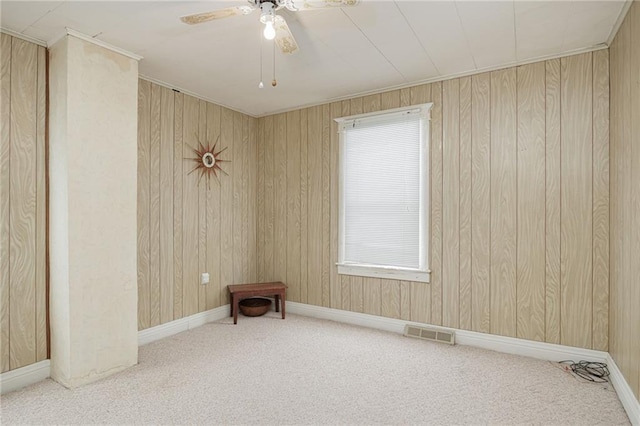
point(275, 25)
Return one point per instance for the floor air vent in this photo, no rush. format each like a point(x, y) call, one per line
point(429, 334)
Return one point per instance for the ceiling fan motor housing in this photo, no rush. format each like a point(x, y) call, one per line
point(277, 4)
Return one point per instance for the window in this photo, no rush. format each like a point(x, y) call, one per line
point(384, 187)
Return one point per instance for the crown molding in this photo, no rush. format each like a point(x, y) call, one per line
point(23, 37)
point(93, 40)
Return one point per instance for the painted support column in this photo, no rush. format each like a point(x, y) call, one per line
point(93, 102)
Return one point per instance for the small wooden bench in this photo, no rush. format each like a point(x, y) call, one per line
point(243, 291)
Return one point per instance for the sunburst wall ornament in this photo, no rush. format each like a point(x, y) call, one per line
point(208, 161)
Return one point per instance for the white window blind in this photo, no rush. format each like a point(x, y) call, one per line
point(383, 190)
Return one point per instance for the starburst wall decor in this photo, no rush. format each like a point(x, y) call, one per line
point(208, 161)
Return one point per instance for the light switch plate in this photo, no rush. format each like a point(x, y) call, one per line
point(204, 278)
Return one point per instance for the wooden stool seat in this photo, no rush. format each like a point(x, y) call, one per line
point(242, 291)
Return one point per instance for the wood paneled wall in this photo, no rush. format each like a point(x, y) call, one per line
point(519, 204)
point(186, 225)
point(23, 203)
point(625, 199)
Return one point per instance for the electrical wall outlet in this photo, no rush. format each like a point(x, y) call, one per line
point(204, 278)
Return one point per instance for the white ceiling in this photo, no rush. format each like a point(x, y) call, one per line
point(343, 51)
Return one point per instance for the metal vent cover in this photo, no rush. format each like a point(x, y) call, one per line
point(435, 335)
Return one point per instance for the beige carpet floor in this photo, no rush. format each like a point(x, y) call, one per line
point(307, 371)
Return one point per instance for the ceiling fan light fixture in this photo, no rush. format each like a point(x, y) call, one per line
point(269, 31)
point(267, 17)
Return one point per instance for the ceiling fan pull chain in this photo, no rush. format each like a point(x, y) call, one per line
point(261, 84)
point(274, 82)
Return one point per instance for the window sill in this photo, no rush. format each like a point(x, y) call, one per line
point(383, 272)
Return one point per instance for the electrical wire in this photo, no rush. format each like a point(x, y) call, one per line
point(596, 372)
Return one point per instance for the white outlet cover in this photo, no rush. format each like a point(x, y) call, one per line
point(204, 278)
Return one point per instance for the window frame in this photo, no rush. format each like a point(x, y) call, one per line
point(422, 274)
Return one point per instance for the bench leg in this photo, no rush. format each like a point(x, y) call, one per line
point(277, 297)
point(234, 302)
point(282, 302)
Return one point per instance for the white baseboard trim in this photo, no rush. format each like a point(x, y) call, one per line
point(24, 376)
point(627, 398)
point(510, 345)
point(161, 331)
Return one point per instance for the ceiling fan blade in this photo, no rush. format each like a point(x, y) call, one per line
point(321, 4)
point(199, 18)
point(284, 38)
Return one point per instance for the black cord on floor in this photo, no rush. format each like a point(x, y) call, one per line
point(596, 372)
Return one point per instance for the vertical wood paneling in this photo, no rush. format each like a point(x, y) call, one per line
point(552, 205)
point(314, 205)
point(436, 205)
point(41, 208)
point(405, 96)
point(335, 286)
point(634, 16)
point(405, 300)
point(203, 224)
point(22, 207)
point(166, 204)
point(530, 274)
point(23, 203)
point(154, 208)
point(245, 259)
point(495, 184)
point(293, 206)
point(269, 205)
point(238, 224)
point(226, 203)
point(418, 94)
point(601, 200)
point(465, 203)
point(503, 202)
point(372, 299)
point(624, 319)
point(144, 140)
point(495, 204)
point(202, 208)
point(357, 294)
point(389, 100)
point(213, 212)
point(451, 203)
point(304, 201)
point(576, 200)
point(326, 208)
point(623, 308)
point(280, 164)
point(260, 200)
point(252, 161)
point(178, 168)
point(345, 288)
point(615, 288)
point(190, 210)
point(5, 229)
point(390, 298)
point(420, 304)
point(481, 203)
